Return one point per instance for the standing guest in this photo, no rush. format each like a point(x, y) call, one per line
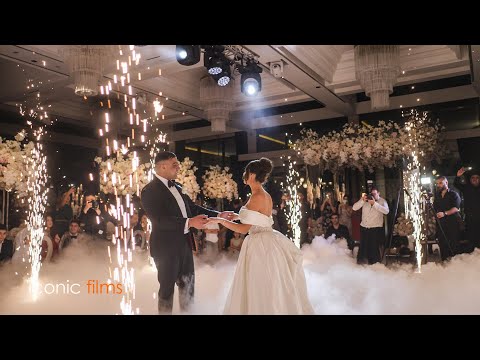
point(471, 198)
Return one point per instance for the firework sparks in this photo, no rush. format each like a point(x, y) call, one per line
point(294, 214)
point(412, 182)
point(37, 178)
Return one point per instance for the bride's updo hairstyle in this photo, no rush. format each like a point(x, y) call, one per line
point(261, 168)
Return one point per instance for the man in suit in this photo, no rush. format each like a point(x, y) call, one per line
point(6, 246)
point(172, 215)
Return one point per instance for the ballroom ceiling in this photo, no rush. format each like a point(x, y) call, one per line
point(318, 83)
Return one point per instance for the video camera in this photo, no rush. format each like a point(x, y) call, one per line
point(95, 203)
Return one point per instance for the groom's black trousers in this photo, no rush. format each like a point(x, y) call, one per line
point(178, 270)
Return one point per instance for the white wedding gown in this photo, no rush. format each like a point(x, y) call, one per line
point(269, 277)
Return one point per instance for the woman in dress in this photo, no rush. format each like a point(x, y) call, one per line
point(269, 277)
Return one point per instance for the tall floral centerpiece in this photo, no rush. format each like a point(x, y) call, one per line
point(219, 184)
point(186, 177)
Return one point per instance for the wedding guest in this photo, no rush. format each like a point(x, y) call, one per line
point(471, 198)
point(73, 235)
point(236, 206)
point(345, 214)
point(63, 211)
point(315, 228)
point(236, 244)
point(48, 224)
point(6, 245)
point(327, 209)
point(211, 238)
point(340, 231)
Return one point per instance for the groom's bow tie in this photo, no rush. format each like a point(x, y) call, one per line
point(171, 183)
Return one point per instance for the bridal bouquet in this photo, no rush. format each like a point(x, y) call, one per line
point(219, 184)
point(186, 177)
point(368, 147)
point(123, 173)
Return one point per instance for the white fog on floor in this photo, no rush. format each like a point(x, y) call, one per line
point(336, 284)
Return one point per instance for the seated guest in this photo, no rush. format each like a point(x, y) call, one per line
point(63, 211)
point(212, 251)
point(315, 228)
point(48, 224)
point(74, 235)
point(235, 243)
point(340, 231)
point(6, 246)
point(55, 237)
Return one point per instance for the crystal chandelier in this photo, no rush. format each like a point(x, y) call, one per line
point(377, 68)
point(86, 63)
point(217, 102)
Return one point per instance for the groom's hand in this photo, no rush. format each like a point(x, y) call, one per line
point(228, 215)
point(198, 221)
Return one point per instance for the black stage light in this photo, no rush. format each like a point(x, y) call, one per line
point(251, 81)
point(188, 54)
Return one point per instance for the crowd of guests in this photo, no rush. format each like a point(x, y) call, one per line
point(62, 228)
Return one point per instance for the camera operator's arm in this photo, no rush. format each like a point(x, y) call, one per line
point(359, 204)
point(83, 214)
point(383, 208)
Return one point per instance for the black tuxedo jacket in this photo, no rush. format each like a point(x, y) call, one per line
point(7, 250)
point(168, 223)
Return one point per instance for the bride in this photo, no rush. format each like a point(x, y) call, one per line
point(269, 277)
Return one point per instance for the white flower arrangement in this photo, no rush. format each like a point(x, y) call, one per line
point(186, 177)
point(403, 226)
point(122, 174)
point(219, 184)
point(364, 147)
point(13, 170)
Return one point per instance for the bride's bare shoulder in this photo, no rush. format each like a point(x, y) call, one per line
point(260, 202)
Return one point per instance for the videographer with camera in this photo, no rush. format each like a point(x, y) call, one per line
point(98, 222)
point(372, 233)
point(449, 224)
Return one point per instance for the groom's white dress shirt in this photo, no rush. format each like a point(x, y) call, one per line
point(178, 197)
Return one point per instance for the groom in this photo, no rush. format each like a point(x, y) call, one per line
point(172, 215)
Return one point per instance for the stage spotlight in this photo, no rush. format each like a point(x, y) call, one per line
point(188, 54)
point(251, 81)
point(215, 66)
point(224, 77)
point(214, 59)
